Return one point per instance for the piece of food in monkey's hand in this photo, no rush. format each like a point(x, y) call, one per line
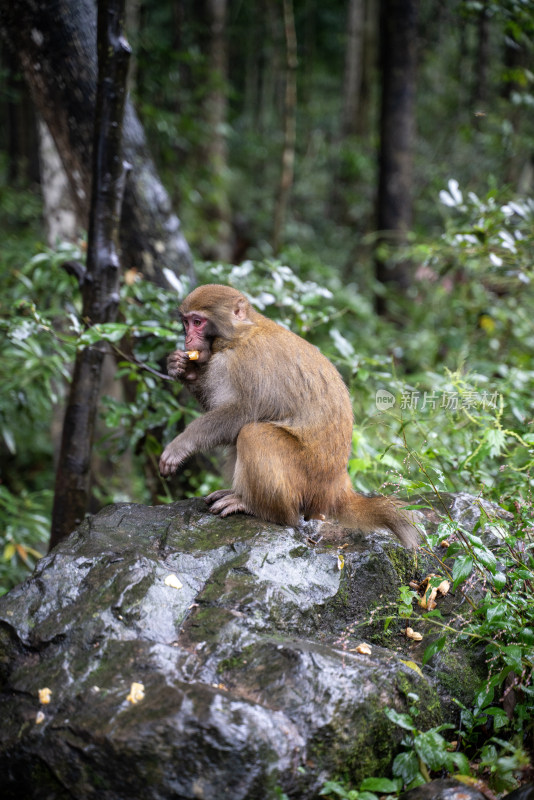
point(192, 355)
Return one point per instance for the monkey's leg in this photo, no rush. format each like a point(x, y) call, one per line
point(268, 480)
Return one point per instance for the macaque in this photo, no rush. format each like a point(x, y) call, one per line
point(283, 409)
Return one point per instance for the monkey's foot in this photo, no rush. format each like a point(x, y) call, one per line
point(225, 502)
point(211, 498)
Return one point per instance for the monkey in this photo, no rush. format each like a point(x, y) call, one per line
point(283, 409)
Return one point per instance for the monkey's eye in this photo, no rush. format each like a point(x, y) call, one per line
point(197, 321)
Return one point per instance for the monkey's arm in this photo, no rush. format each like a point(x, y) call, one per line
point(181, 368)
point(217, 427)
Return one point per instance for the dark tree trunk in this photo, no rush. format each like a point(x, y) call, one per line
point(352, 82)
point(397, 135)
point(215, 112)
point(21, 144)
point(364, 123)
point(290, 127)
point(55, 41)
point(480, 89)
point(101, 281)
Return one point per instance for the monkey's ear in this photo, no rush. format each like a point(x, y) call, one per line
point(240, 309)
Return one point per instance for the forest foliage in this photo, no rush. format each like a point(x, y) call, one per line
point(442, 384)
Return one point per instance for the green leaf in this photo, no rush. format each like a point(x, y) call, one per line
point(379, 785)
point(402, 720)
point(462, 568)
point(434, 648)
point(461, 763)
point(406, 766)
point(500, 720)
point(526, 635)
point(337, 789)
point(109, 332)
point(113, 331)
point(496, 612)
point(343, 346)
point(486, 558)
point(476, 540)
point(431, 749)
point(513, 657)
point(496, 439)
point(499, 580)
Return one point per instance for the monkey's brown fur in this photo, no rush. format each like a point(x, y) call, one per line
point(286, 411)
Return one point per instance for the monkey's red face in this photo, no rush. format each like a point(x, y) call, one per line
point(199, 333)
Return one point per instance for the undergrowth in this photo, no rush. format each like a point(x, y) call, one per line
point(442, 393)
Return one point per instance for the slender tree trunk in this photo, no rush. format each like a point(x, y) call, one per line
point(23, 164)
point(55, 42)
point(132, 20)
point(215, 109)
point(101, 284)
point(353, 67)
point(364, 123)
point(272, 72)
point(480, 89)
point(290, 127)
point(397, 135)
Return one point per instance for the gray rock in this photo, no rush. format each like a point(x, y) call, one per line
point(443, 789)
point(252, 684)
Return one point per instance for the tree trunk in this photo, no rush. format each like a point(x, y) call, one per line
point(480, 89)
point(397, 135)
point(215, 111)
point(22, 164)
point(364, 123)
point(55, 41)
point(101, 283)
point(290, 128)
point(353, 67)
point(61, 220)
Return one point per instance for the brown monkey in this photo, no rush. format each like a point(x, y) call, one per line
point(285, 410)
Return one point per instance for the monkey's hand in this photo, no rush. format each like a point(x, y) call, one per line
point(172, 458)
point(180, 367)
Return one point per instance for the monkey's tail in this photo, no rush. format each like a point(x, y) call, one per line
point(370, 513)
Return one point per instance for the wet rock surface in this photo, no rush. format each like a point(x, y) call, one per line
point(444, 789)
point(251, 682)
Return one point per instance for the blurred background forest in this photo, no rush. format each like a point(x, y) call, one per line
point(363, 169)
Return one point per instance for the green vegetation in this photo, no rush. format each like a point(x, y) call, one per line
point(442, 385)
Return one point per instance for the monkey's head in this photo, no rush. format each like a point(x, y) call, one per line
point(213, 312)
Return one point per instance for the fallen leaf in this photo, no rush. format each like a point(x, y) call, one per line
point(414, 666)
point(428, 600)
